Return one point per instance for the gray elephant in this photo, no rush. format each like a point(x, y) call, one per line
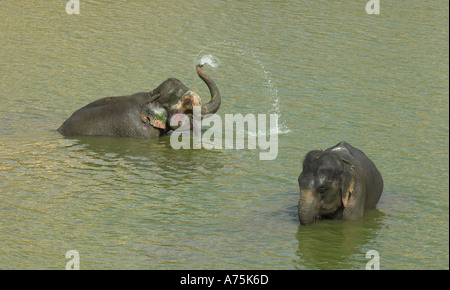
point(141, 115)
point(338, 183)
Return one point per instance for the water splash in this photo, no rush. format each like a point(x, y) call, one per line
point(209, 59)
point(244, 50)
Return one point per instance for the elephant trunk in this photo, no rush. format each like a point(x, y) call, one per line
point(308, 207)
point(214, 104)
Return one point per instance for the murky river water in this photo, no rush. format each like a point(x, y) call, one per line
point(331, 72)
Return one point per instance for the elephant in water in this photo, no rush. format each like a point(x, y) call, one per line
point(141, 115)
point(338, 183)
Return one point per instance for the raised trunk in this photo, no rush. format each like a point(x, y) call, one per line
point(214, 104)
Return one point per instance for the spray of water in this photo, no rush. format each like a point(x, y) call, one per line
point(209, 59)
point(244, 50)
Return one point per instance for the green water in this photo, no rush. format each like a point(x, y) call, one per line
point(331, 72)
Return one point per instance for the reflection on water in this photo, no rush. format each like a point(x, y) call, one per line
point(155, 159)
point(338, 245)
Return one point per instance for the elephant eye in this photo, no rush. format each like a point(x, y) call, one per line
point(187, 102)
point(322, 189)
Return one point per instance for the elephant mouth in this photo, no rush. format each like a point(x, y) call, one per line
point(177, 118)
point(182, 121)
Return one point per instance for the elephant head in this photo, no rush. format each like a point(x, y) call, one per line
point(172, 99)
point(326, 186)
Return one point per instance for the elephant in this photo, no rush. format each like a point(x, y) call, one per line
point(141, 115)
point(338, 183)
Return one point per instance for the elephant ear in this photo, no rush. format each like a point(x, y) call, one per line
point(159, 118)
point(156, 114)
point(348, 183)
